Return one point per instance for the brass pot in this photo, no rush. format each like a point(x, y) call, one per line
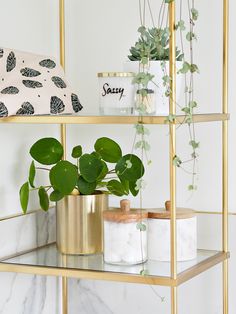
point(80, 223)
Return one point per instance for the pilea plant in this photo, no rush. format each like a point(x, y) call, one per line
point(90, 172)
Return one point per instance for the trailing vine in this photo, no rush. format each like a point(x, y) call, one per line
point(153, 44)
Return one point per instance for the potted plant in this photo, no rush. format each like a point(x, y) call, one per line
point(81, 190)
point(149, 60)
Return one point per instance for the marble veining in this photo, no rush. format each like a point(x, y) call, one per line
point(26, 232)
point(124, 243)
point(84, 299)
point(159, 239)
point(27, 294)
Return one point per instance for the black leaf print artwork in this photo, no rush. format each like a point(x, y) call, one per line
point(10, 90)
point(76, 103)
point(47, 63)
point(11, 61)
point(26, 109)
point(58, 82)
point(32, 84)
point(57, 105)
point(3, 110)
point(29, 72)
point(1, 52)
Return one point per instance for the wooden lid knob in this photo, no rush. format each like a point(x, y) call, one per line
point(167, 205)
point(125, 205)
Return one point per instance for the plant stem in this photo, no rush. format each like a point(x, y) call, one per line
point(41, 168)
point(47, 186)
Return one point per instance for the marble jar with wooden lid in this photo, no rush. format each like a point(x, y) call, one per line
point(159, 234)
point(125, 235)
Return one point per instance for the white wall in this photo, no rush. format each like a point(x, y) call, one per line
point(99, 34)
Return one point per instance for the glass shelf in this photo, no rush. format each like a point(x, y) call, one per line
point(48, 261)
point(96, 119)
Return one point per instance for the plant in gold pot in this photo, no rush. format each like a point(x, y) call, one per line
point(81, 190)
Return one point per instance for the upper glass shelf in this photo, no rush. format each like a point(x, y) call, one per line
point(98, 119)
point(48, 261)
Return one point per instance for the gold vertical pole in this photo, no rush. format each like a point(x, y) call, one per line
point(62, 61)
point(64, 295)
point(225, 153)
point(172, 104)
point(63, 134)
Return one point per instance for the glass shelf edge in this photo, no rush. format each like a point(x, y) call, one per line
point(198, 118)
point(218, 257)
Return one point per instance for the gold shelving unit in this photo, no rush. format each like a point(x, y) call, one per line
point(90, 119)
point(92, 267)
point(48, 261)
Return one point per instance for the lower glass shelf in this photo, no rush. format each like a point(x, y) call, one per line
point(48, 261)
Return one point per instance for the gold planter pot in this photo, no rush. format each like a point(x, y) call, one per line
point(80, 223)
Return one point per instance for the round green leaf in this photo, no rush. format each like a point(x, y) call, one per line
point(77, 151)
point(43, 199)
point(108, 149)
point(125, 184)
point(116, 188)
point(47, 151)
point(130, 167)
point(63, 177)
point(85, 187)
point(132, 186)
point(24, 196)
point(90, 167)
point(97, 155)
point(32, 173)
point(104, 172)
point(56, 196)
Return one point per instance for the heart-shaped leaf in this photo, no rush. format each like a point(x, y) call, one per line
point(43, 199)
point(24, 196)
point(63, 177)
point(108, 149)
point(47, 151)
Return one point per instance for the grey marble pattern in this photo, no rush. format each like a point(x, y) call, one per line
point(100, 297)
point(27, 294)
point(27, 232)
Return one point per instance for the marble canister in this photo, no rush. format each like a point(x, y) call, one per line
point(159, 234)
point(125, 236)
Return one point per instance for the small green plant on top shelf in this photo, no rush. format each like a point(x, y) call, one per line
point(152, 44)
point(90, 173)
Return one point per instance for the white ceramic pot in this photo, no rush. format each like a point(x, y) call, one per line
point(161, 101)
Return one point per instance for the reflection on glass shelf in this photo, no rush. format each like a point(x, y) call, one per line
point(49, 257)
point(98, 119)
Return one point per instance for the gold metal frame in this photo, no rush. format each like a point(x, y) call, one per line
point(225, 152)
point(172, 137)
point(64, 283)
point(80, 119)
point(67, 272)
point(175, 279)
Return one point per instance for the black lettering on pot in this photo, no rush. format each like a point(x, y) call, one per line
point(115, 90)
